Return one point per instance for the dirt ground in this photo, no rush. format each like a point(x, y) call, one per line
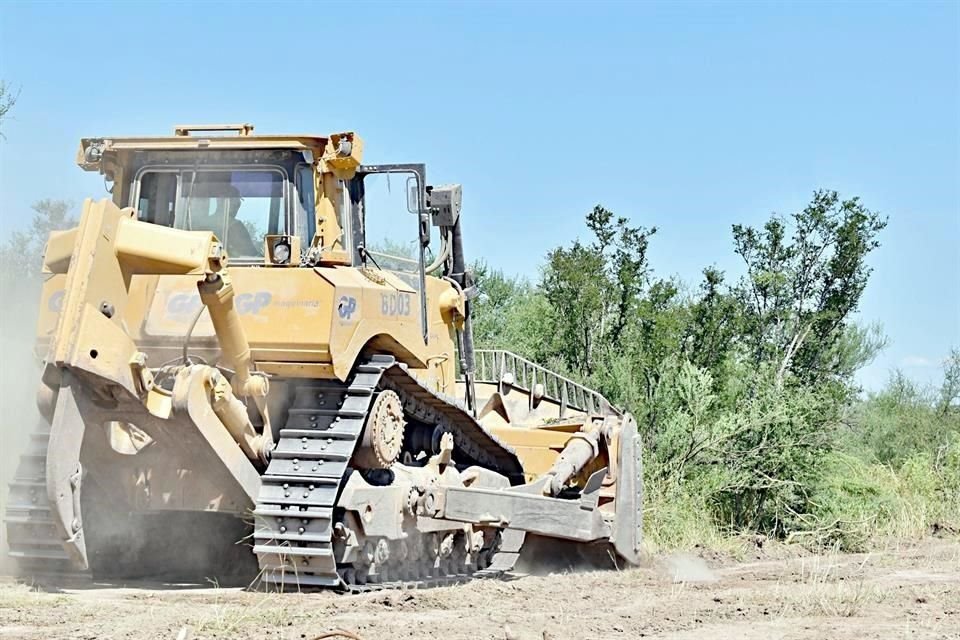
point(906, 592)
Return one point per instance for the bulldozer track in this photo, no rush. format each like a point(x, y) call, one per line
point(294, 514)
point(31, 534)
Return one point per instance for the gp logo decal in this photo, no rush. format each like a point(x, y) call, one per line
point(346, 307)
point(187, 304)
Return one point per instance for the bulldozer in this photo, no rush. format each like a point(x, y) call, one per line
point(233, 371)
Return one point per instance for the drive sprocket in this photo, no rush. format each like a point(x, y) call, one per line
point(382, 433)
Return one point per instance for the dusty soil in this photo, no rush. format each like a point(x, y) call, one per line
point(906, 592)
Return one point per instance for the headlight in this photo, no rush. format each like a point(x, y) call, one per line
point(281, 252)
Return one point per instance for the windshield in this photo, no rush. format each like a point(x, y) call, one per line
point(239, 206)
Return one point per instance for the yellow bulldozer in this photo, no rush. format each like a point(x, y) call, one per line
point(235, 373)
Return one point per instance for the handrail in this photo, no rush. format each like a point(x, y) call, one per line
point(492, 364)
point(182, 130)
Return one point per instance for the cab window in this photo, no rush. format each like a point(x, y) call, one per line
point(240, 206)
point(305, 202)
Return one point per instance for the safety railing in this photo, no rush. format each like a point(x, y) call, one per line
point(492, 365)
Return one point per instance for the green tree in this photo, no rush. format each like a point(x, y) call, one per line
point(594, 288)
point(801, 289)
point(741, 392)
point(510, 313)
point(716, 320)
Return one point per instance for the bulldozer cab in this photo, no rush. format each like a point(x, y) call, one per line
point(280, 201)
point(248, 190)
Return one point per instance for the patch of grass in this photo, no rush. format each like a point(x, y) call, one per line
point(24, 596)
point(228, 618)
point(675, 518)
point(826, 590)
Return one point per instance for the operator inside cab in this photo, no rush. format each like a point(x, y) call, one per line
point(236, 236)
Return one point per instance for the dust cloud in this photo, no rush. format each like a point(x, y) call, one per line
point(545, 556)
point(120, 543)
point(687, 568)
point(19, 376)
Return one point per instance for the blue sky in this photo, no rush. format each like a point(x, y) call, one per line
point(685, 116)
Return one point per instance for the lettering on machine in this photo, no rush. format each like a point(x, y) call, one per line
point(395, 304)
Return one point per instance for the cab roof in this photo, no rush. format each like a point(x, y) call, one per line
point(185, 138)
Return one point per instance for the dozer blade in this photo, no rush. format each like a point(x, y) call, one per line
point(627, 535)
point(65, 475)
point(529, 508)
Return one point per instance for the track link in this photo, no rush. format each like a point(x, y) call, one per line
point(31, 535)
